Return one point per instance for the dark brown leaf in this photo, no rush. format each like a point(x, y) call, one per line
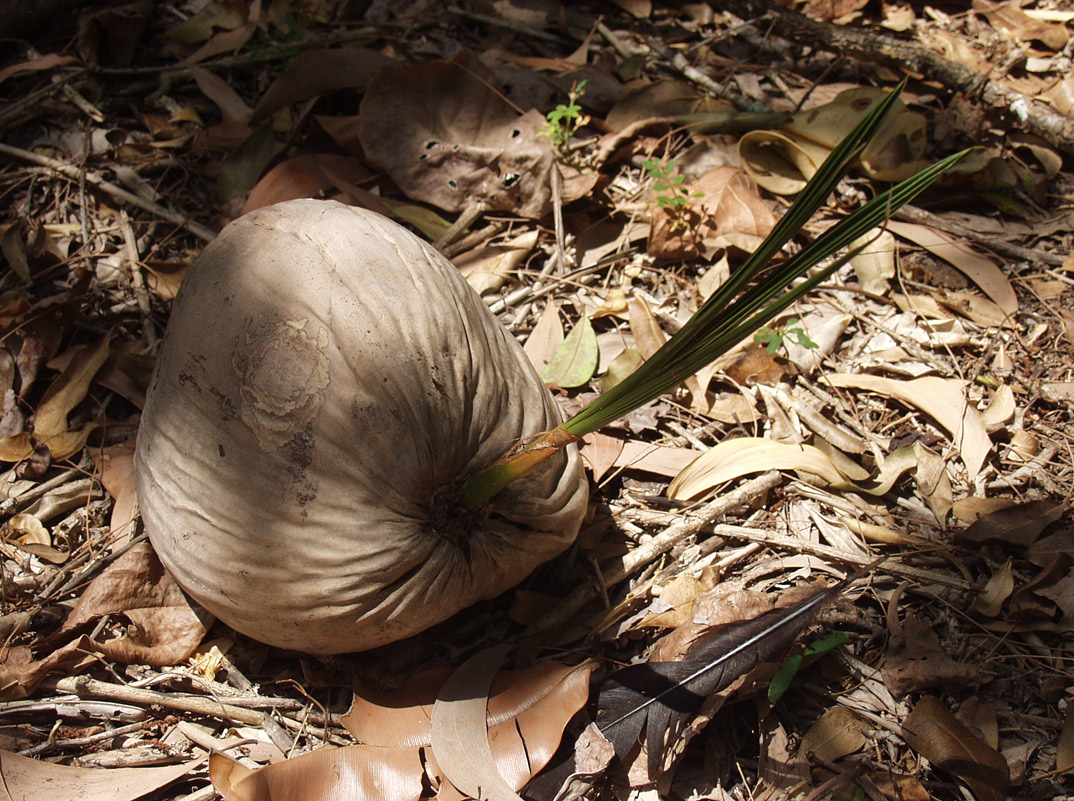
point(1018, 525)
point(937, 735)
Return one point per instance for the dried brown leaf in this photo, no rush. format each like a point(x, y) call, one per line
point(942, 399)
point(989, 601)
point(835, 734)
point(460, 736)
point(318, 72)
point(26, 779)
point(330, 774)
point(465, 143)
point(937, 735)
point(979, 269)
point(307, 175)
point(600, 452)
point(648, 335)
point(166, 629)
point(68, 390)
point(918, 662)
point(1020, 524)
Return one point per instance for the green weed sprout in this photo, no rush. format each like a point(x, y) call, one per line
point(675, 196)
point(564, 121)
point(756, 293)
point(772, 336)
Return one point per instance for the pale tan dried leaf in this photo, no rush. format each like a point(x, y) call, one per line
point(25, 779)
point(647, 332)
point(69, 389)
point(487, 268)
point(659, 459)
point(329, 774)
point(600, 452)
point(546, 337)
point(738, 457)
point(460, 735)
point(875, 265)
point(937, 735)
point(933, 483)
point(319, 72)
point(24, 529)
point(942, 399)
point(835, 734)
point(989, 601)
point(1000, 410)
point(613, 305)
point(676, 600)
point(979, 269)
point(976, 308)
point(924, 305)
point(232, 107)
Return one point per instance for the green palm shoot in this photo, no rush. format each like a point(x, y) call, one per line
point(755, 294)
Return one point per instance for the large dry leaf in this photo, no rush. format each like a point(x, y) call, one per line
point(487, 267)
point(115, 464)
point(318, 72)
point(648, 335)
point(979, 269)
point(1012, 20)
point(943, 400)
point(26, 779)
point(738, 457)
point(659, 459)
point(447, 138)
point(526, 713)
point(68, 390)
point(729, 209)
point(461, 737)
point(304, 176)
point(330, 774)
point(937, 735)
point(1019, 524)
point(167, 627)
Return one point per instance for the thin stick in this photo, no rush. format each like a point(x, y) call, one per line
point(617, 570)
point(197, 229)
point(85, 687)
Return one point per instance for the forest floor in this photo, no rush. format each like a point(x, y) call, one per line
point(599, 170)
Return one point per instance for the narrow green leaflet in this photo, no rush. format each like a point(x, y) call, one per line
point(755, 294)
point(575, 361)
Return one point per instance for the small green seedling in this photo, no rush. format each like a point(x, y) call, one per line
point(772, 336)
point(781, 682)
point(283, 50)
point(673, 193)
point(565, 120)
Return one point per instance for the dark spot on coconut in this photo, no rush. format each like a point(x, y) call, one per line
point(300, 448)
point(186, 378)
point(220, 447)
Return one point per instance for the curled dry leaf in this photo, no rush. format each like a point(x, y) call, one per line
point(728, 209)
point(937, 735)
point(166, 629)
point(989, 601)
point(782, 162)
point(329, 774)
point(488, 267)
point(25, 779)
point(835, 734)
point(522, 724)
point(943, 400)
point(738, 457)
point(465, 145)
point(979, 269)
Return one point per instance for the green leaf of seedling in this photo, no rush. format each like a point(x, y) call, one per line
point(781, 682)
point(575, 361)
point(829, 642)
